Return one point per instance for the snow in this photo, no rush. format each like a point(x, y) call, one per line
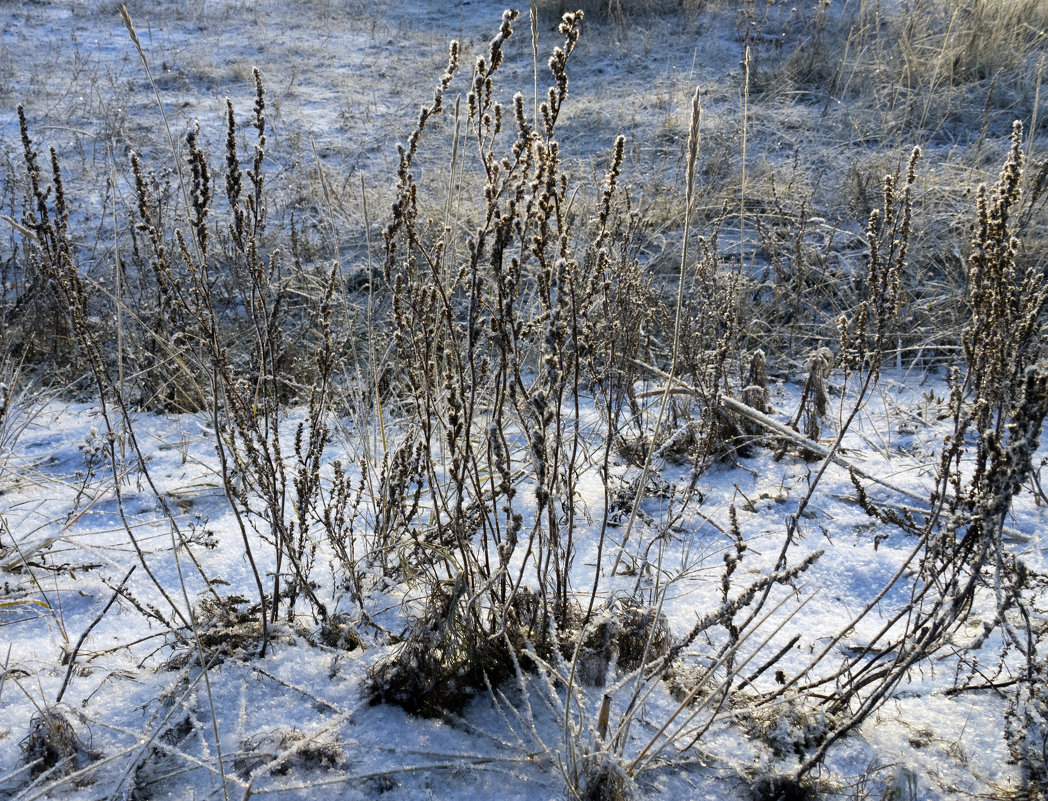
point(344, 79)
point(305, 695)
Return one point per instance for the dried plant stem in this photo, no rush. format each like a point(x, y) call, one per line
point(693, 153)
point(1034, 113)
point(133, 33)
point(771, 424)
point(203, 663)
point(3, 673)
point(742, 165)
point(720, 694)
point(238, 515)
point(533, 13)
point(80, 642)
point(118, 274)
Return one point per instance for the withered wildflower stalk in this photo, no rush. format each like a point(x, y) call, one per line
point(694, 138)
point(866, 337)
point(51, 252)
point(245, 403)
point(1001, 402)
point(492, 349)
point(247, 414)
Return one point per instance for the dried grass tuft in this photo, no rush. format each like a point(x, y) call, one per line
point(228, 628)
point(605, 782)
point(54, 744)
point(627, 637)
point(281, 750)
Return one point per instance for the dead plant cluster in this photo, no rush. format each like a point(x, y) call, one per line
point(515, 342)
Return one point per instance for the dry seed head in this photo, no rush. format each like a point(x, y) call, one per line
point(523, 127)
point(260, 103)
point(547, 114)
point(611, 179)
point(569, 27)
point(558, 63)
point(911, 165)
point(1010, 180)
point(200, 187)
point(694, 135)
point(130, 26)
point(183, 249)
point(505, 31)
point(233, 175)
point(33, 169)
point(61, 212)
point(449, 73)
point(889, 200)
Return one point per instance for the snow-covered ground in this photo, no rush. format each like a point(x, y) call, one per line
point(293, 724)
point(344, 81)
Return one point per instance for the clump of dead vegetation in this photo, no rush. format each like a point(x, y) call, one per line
point(54, 746)
point(515, 316)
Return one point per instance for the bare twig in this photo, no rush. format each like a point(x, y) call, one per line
point(95, 622)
